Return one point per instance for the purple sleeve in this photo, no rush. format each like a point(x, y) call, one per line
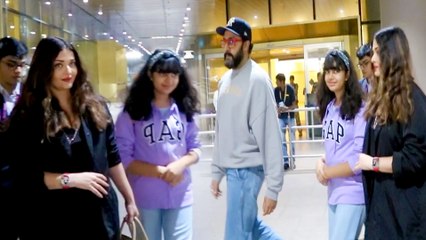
point(125, 135)
point(192, 140)
point(359, 132)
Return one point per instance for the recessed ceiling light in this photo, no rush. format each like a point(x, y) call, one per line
point(100, 12)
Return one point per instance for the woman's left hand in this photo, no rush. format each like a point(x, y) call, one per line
point(132, 212)
point(320, 171)
point(174, 173)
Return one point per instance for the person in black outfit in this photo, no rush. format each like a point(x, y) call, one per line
point(394, 159)
point(12, 67)
point(69, 153)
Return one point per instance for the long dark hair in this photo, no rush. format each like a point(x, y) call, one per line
point(141, 93)
point(36, 93)
point(352, 98)
point(391, 98)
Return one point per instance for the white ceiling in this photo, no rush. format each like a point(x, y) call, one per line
point(144, 19)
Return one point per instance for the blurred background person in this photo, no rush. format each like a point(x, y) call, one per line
point(296, 114)
point(285, 98)
point(364, 54)
point(12, 67)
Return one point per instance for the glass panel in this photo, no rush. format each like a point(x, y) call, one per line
point(57, 13)
point(314, 59)
point(55, 32)
point(215, 69)
point(32, 8)
point(255, 12)
point(332, 9)
point(291, 11)
point(13, 28)
point(46, 12)
point(33, 34)
point(44, 31)
point(13, 4)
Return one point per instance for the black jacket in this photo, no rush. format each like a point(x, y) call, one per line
point(396, 203)
point(5, 174)
point(37, 207)
point(288, 99)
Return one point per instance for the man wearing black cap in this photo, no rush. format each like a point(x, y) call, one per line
point(12, 54)
point(248, 139)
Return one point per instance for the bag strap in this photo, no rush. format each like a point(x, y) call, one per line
point(133, 229)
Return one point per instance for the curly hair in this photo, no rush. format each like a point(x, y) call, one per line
point(352, 99)
point(391, 100)
point(36, 92)
point(141, 93)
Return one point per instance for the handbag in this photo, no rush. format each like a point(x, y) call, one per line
point(137, 231)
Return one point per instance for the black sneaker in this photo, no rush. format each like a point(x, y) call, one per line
point(286, 166)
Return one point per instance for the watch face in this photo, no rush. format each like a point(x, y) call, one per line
point(65, 179)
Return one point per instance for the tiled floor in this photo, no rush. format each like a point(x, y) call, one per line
point(301, 213)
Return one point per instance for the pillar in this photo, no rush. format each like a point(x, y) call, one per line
point(409, 15)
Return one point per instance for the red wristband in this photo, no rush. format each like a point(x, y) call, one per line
point(375, 164)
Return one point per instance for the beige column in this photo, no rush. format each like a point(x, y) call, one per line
point(410, 16)
point(106, 65)
point(112, 65)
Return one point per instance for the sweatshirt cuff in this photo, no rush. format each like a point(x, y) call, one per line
point(271, 194)
point(217, 177)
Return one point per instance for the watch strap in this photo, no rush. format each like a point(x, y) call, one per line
point(375, 164)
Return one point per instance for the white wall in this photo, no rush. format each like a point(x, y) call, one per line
point(410, 16)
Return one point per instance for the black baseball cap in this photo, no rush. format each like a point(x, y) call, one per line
point(237, 26)
point(12, 47)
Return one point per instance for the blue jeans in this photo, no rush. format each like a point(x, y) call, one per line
point(242, 220)
point(173, 224)
point(345, 221)
point(290, 122)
